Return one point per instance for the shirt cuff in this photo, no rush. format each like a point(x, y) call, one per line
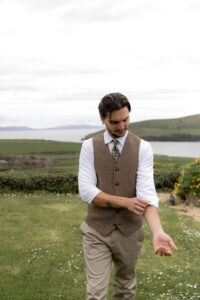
point(154, 201)
point(89, 194)
point(93, 194)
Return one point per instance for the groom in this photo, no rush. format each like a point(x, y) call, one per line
point(116, 180)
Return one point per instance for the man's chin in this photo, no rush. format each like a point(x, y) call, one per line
point(119, 134)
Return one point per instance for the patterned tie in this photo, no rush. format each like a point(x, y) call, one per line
point(115, 151)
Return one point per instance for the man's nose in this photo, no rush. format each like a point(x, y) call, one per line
point(121, 126)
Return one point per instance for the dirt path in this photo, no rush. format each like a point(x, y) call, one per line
point(182, 209)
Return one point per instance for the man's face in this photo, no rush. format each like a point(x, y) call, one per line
point(117, 122)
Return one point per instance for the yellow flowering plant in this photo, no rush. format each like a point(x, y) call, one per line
point(188, 184)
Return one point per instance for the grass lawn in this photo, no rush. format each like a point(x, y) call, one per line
point(41, 252)
point(164, 161)
point(64, 155)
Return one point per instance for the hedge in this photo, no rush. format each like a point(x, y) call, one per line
point(58, 183)
point(164, 178)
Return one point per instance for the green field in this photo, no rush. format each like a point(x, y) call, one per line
point(163, 161)
point(177, 129)
point(64, 157)
point(41, 252)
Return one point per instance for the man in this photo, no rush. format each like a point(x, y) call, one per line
point(116, 180)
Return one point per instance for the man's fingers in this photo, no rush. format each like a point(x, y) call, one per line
point(156, 250)
point(142, 201)
point(141, 204)
point(168, 252)
point(140, 210)
point(172, 245)
point(138, 205)
point(164, 245)
point(163, 252)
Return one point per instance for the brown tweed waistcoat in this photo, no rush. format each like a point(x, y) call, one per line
point(115, 179)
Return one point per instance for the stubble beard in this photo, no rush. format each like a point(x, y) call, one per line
point(116, 135)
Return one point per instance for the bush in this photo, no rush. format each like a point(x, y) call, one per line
point(165, 178)
point(58, 184)
point(188, 184)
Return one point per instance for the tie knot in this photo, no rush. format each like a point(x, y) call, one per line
point(115, 142)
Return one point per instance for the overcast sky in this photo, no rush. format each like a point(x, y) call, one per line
point(58, 58)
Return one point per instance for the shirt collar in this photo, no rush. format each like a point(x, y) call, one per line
point(108, 138)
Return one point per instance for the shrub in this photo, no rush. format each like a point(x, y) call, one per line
point(165, 177)
point(58, 184)
point(188, 184)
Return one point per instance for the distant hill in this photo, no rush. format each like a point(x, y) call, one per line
point(15, 128)
point(180, 129)
point(80, 126)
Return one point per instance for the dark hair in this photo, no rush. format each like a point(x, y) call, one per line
point(111, 102)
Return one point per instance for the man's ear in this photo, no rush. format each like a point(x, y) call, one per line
point(102, 119)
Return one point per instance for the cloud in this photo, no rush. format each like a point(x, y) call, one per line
point(89, 10)
point(2, 117)
point(194, 5)
point(166, 93)
point(105, 11)
point(44, 4)
point(59, 58)
point(15, 88)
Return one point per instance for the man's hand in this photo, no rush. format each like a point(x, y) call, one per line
point(163, 244)
point(137, 205)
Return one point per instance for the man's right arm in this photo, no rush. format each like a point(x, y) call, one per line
point(89, 191)
point(136, 205)
point(87, 180)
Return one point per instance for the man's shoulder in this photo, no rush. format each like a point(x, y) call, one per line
point(87, 143)
point(143, 143)
point(145, 147)
point(133, 136)
point(99, 136)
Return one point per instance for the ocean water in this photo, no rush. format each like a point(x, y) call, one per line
point(184, 149)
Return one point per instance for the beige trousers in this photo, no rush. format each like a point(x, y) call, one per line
point(100, 252)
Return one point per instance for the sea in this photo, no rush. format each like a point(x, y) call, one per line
point(181, 149)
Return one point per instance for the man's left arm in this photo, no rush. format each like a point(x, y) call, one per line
point(162, 243)
point(145, 188)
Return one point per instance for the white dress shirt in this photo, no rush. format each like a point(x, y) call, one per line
point(87, 179)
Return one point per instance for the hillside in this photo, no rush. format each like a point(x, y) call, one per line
point(180, 129)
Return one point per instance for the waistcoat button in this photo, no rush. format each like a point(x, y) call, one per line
point(116, 183)
point(116, 169)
